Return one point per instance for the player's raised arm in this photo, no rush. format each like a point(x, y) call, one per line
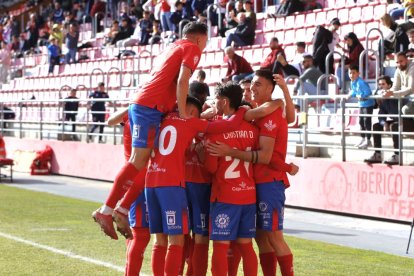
point(263, 110)
point(290, 107)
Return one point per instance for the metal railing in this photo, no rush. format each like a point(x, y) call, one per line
point(407, 9)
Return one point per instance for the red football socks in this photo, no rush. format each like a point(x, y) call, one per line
point(135, 250)
point(249, 259)
point(122, 182)
point(200, 259)
point(219, 264)
point(158, 259)
point(189, 256)
point(135, 190)
point(286, 264)
point(233, 259)
point(173, 260)
point(268, 263)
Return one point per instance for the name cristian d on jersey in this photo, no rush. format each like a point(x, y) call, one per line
point(238, 134)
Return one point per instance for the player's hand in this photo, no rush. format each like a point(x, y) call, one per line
point(219, 149)
point(280, 81)
point(294, 170)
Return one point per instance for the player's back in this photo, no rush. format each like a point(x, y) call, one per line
point(160, 91)
point(167, 164)
point(233, 180)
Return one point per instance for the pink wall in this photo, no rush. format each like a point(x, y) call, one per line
point(356, 188)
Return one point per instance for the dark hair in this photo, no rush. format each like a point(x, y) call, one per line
point(178, 3)
point(195, 28)
point(401, 54)
point(274, 39)
point(243, 102)
point(354, 67)
point(301, 44)
point(195, 102)
point(267, 74)
point(101, 84)
point(308, 57)
point(201, 74)
point(387, 79)
point(199, 91)
point(243, 81)
point(232, 91)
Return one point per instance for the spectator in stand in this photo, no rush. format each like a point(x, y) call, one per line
point(137, 10)
point(244, 33)
point(70, 110)
point(125, 31)
point(324, 42)
point(54, 54)
point(387, 107)
point(298, 58)
point(23, 46)
point(57, 34)
point(5, 60)
point(397, 39)
point(176, 16)
point(361, 90)
point(58, 15)
point(288, 7)
point(98, 7)
point(165, 16)
point(44, 33)
point(187, 10)
point(113, 7)
point(15, 26)
point(247, 92)
point(353, 51)
point(1, 32)
point(69, 19)
point(98, 110)
point(32, 30)
point(79, 12)
point(311, 5)
point(72, 39)
point(151, 6)
point(198, 6)
point(7, 32)
point(156, 32)
point(250, 14)
point(113, 31)
point(146, 27)
point(403, 83)
point(399, 12)
point(238, 67)
point(309, 78)
point(283, 66)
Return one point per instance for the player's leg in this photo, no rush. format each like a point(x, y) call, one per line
point(233, 259)
point(159, 252)
point(173, 260)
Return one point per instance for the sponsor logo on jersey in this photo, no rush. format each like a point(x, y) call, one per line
point(270, 125)
point(222, 221)
point(262, 206)
point(155, 168)
point(242, 187)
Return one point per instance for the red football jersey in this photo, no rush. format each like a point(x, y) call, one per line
point(127, 138)
point(195, 172)
point(160, 91)
point(273, 125)
point(233, 180)
point(167, 164)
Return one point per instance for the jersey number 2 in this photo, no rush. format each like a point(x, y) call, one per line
point(231, 172)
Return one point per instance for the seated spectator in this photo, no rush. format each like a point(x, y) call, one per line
point(79, 12)
point(288, 7)
point(410, 51)
point(238, 67)
point(244, 33)
point(156, 32)
point(54, 54)
point(113, 31)
point(125, 31)
point(136, 9)
point(387, 107)
point(361, 90)
point(142, 33)
point(283, 66)
point(397, 39)
point(311, 5)
point(403, 83)
point(176, 16)
point(399, 12)
point(250, 14)
point(298, 58)
point(198, 7)
point(231, 21)
point(353, 51)
point(309, 78)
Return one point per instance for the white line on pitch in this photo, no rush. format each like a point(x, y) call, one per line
point(64, 253)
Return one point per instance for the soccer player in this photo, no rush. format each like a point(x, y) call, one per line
point(270, 175)
point(165, 183)
point(167, 85)
point(233, 196)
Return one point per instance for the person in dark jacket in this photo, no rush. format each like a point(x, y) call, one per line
point(397, 40)
point(125, 31)
point(70, 108)
point(321, 39)
point(288, 7)
point(244, 33)
point(98, 110)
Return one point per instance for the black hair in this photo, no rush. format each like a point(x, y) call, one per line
point(402, 53)
point(195, 28)
point(243, 81)
point(274, 39)
point(199, 91)
point(354, 67)
point(387, 79)
point(301, 44)
point(232, 91)
point(243, 102)
point(195, 102)
point(266, 74)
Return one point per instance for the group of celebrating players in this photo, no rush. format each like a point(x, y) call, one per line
point(222, 179)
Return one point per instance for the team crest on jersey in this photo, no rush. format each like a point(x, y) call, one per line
point(262, 206)
point(195, 60)
point(135, 131)
point(203, 220)
point(170, 217)
point(222, 221)
point(270, 125)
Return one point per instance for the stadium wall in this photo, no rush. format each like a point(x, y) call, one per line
point(356, 188)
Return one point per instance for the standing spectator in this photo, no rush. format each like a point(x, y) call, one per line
point(58, 15)
point(176, 16)
point(287, 7)
point(137, 10)
point(244, 33)
point(238, 67)
point(98, 7)
point(361, 90)
point(5, 59)
point(57, 34)
point(54, 54)
point(165, 16)
point(15, 26)
point(98, 110)
point(70, 109)
point(387, 107)
point(403, 83)
point(354, 50)
point(72, 38)
point(250, 14)
point(32, 30)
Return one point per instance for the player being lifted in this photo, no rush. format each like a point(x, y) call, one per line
point(270, 175)
point(167, 87)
